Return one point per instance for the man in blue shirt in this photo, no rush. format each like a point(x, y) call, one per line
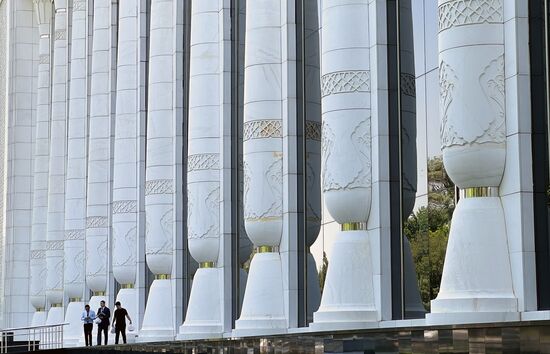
point(88, 317)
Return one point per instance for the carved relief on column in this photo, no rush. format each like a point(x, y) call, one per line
point(127, 166)
point(473, 137)
point(99, 150)
point(75, 196)
point(58, 155)
point(43, 10)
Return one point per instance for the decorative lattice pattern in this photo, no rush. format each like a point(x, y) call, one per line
point(95, 222)
point(467, 12)
point(78, 234)
point(54, 245)
point(60, 34)
point(159, 186)
point(203, 162)
point(260, 129)
point(124, 206)
point(345, 82)
point(408, 85)
point(38, 254)
point(79, 5)
point(44, 59)
point(313, 130)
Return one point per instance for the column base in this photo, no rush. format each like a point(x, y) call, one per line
point(39, 318)
point(74, 331)
point(348, 299)
point(263, 305)
point(56, 315)
point(158, 322)
point(203, 318)
point(456, 318)
point(128, 299)
point(477, 279)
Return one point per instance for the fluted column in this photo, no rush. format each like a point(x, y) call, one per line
point(43, 9)
point(99, 155)
point(75, 194)
point(160, 173)
point(263, 306)
point(58, 155)
point(476, 284)
point(204, 311)
point(348, 296)
point(128, 166)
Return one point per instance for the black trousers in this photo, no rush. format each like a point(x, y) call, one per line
point(105, 330)
point(120, 330)
point(88, 327)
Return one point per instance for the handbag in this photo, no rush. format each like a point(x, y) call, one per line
point(131, 327)
point(113, 331)
point(97, 320)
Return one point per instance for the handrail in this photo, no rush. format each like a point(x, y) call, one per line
point(32, 338)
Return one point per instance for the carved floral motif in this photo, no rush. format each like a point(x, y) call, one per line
point(468, 12)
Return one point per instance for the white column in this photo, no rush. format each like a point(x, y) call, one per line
point(160, 187)
point(58, 154)
point(128, 166)
point(348, 298)
point(476, 284)
point(264, 300)
point(43, 9)
point(75, 194)
point(205, 308)
point(99, 155)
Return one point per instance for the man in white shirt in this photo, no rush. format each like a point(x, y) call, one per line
point(88, 317)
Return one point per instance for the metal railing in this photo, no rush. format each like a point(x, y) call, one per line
point(31, 338)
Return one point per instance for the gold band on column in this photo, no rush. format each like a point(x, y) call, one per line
point(98, 293)
point(265, 249)
point(207, 265)
point(39, 309)
point(354, 226)
point(74, 299)
point(162, 276)
point(479, 192)
point(57, 305)
point(127, 286)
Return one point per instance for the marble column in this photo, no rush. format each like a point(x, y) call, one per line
point(476, 284)
point(160, 188)
point(43, 9)
point(205, 308)
point(58, 155)
point(99, 155)
point(75, 194)
point(348, 298)
point(128, 166)
point(263, 305)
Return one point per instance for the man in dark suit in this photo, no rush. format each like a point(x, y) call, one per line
point(104, 314)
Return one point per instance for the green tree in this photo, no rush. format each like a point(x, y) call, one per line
point(428, 230)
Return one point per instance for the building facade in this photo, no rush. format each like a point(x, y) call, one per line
point(255, 166)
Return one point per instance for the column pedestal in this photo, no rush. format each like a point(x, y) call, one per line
point(203, 318)
point(476, 285)
point(56, 315)
point(348, 297)
point(158, 323)
point(39, 318)
point(129, 300)
point(74, 332)
point(263, 310)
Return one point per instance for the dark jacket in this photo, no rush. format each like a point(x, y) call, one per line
point(104, 314)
